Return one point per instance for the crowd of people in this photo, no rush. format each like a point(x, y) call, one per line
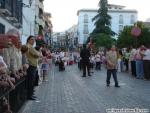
point(19, 61)
point(135, 61)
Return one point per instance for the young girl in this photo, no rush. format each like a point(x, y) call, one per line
point(45, 66)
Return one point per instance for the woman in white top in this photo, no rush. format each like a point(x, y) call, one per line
point(98, 61)
point(146, 63)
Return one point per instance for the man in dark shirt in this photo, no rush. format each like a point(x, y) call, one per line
point(85, 55)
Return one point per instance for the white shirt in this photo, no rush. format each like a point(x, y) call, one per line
point(132, 55)
point(62, 54)
point(97, 58)
point(147, 55)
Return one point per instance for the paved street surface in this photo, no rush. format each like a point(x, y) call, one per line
point(68, 92)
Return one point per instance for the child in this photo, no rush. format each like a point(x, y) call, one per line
point(45, 65)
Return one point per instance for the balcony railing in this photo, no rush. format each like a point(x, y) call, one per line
point(11, 10)
point(5, 7)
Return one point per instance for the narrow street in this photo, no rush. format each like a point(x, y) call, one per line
point(68, 92)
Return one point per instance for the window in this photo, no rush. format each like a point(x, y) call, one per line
point(110, 8)
point(85, 29)
point(40, 13)
point(2, 4)
point(85, 38)
point(2, 29)
point(120, 19)
point(120, 28)
point(132, 19)
point(85, 18)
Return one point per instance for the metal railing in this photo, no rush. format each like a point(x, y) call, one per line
point(15, 97)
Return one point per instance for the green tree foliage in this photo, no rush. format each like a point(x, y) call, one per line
point(101, 35)
point(102, 40)
point(125, 39)
point(40, 32)
point(102, 19)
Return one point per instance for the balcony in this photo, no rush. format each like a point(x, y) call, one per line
point(5, 8)
point(18, 25)
point(5, 12)
point(12, 19)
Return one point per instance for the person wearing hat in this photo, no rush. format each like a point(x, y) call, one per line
point(85, 57)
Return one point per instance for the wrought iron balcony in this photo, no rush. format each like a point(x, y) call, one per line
point(12, 19)
point(5, 8)
point(18, 25)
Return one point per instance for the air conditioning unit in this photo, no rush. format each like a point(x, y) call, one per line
point(5, 12)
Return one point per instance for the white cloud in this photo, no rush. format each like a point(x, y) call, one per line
point(64, 12)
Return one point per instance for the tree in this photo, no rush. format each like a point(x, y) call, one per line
point(125, 39)
point(103, 40)
point(102, 19)
point(102, 33)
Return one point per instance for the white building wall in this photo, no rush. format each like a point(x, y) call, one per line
point(31, 19)
point(114, 21)
point(7, 24)
point(28, 20)
point(91, 25)
point(126, 20)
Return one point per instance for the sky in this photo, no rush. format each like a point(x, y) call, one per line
point(64, 12)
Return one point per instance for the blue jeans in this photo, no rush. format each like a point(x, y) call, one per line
point(139, 69)
point(114, 73)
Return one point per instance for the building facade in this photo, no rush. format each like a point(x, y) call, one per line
point(10, 15)
point(59, 40)
point(72, 37)
point(33, 18)
point(120, 17)
point(48, 29)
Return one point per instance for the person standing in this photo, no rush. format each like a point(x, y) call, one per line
point(111, 58)
point(32, 56)
point(85, 57)
point(98, 61)
point(126, 59)
point(139, 63)
point(132, 61)
point(146, 63)
point(120, 61)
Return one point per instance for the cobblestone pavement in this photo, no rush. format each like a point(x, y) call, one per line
point(68, 92)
